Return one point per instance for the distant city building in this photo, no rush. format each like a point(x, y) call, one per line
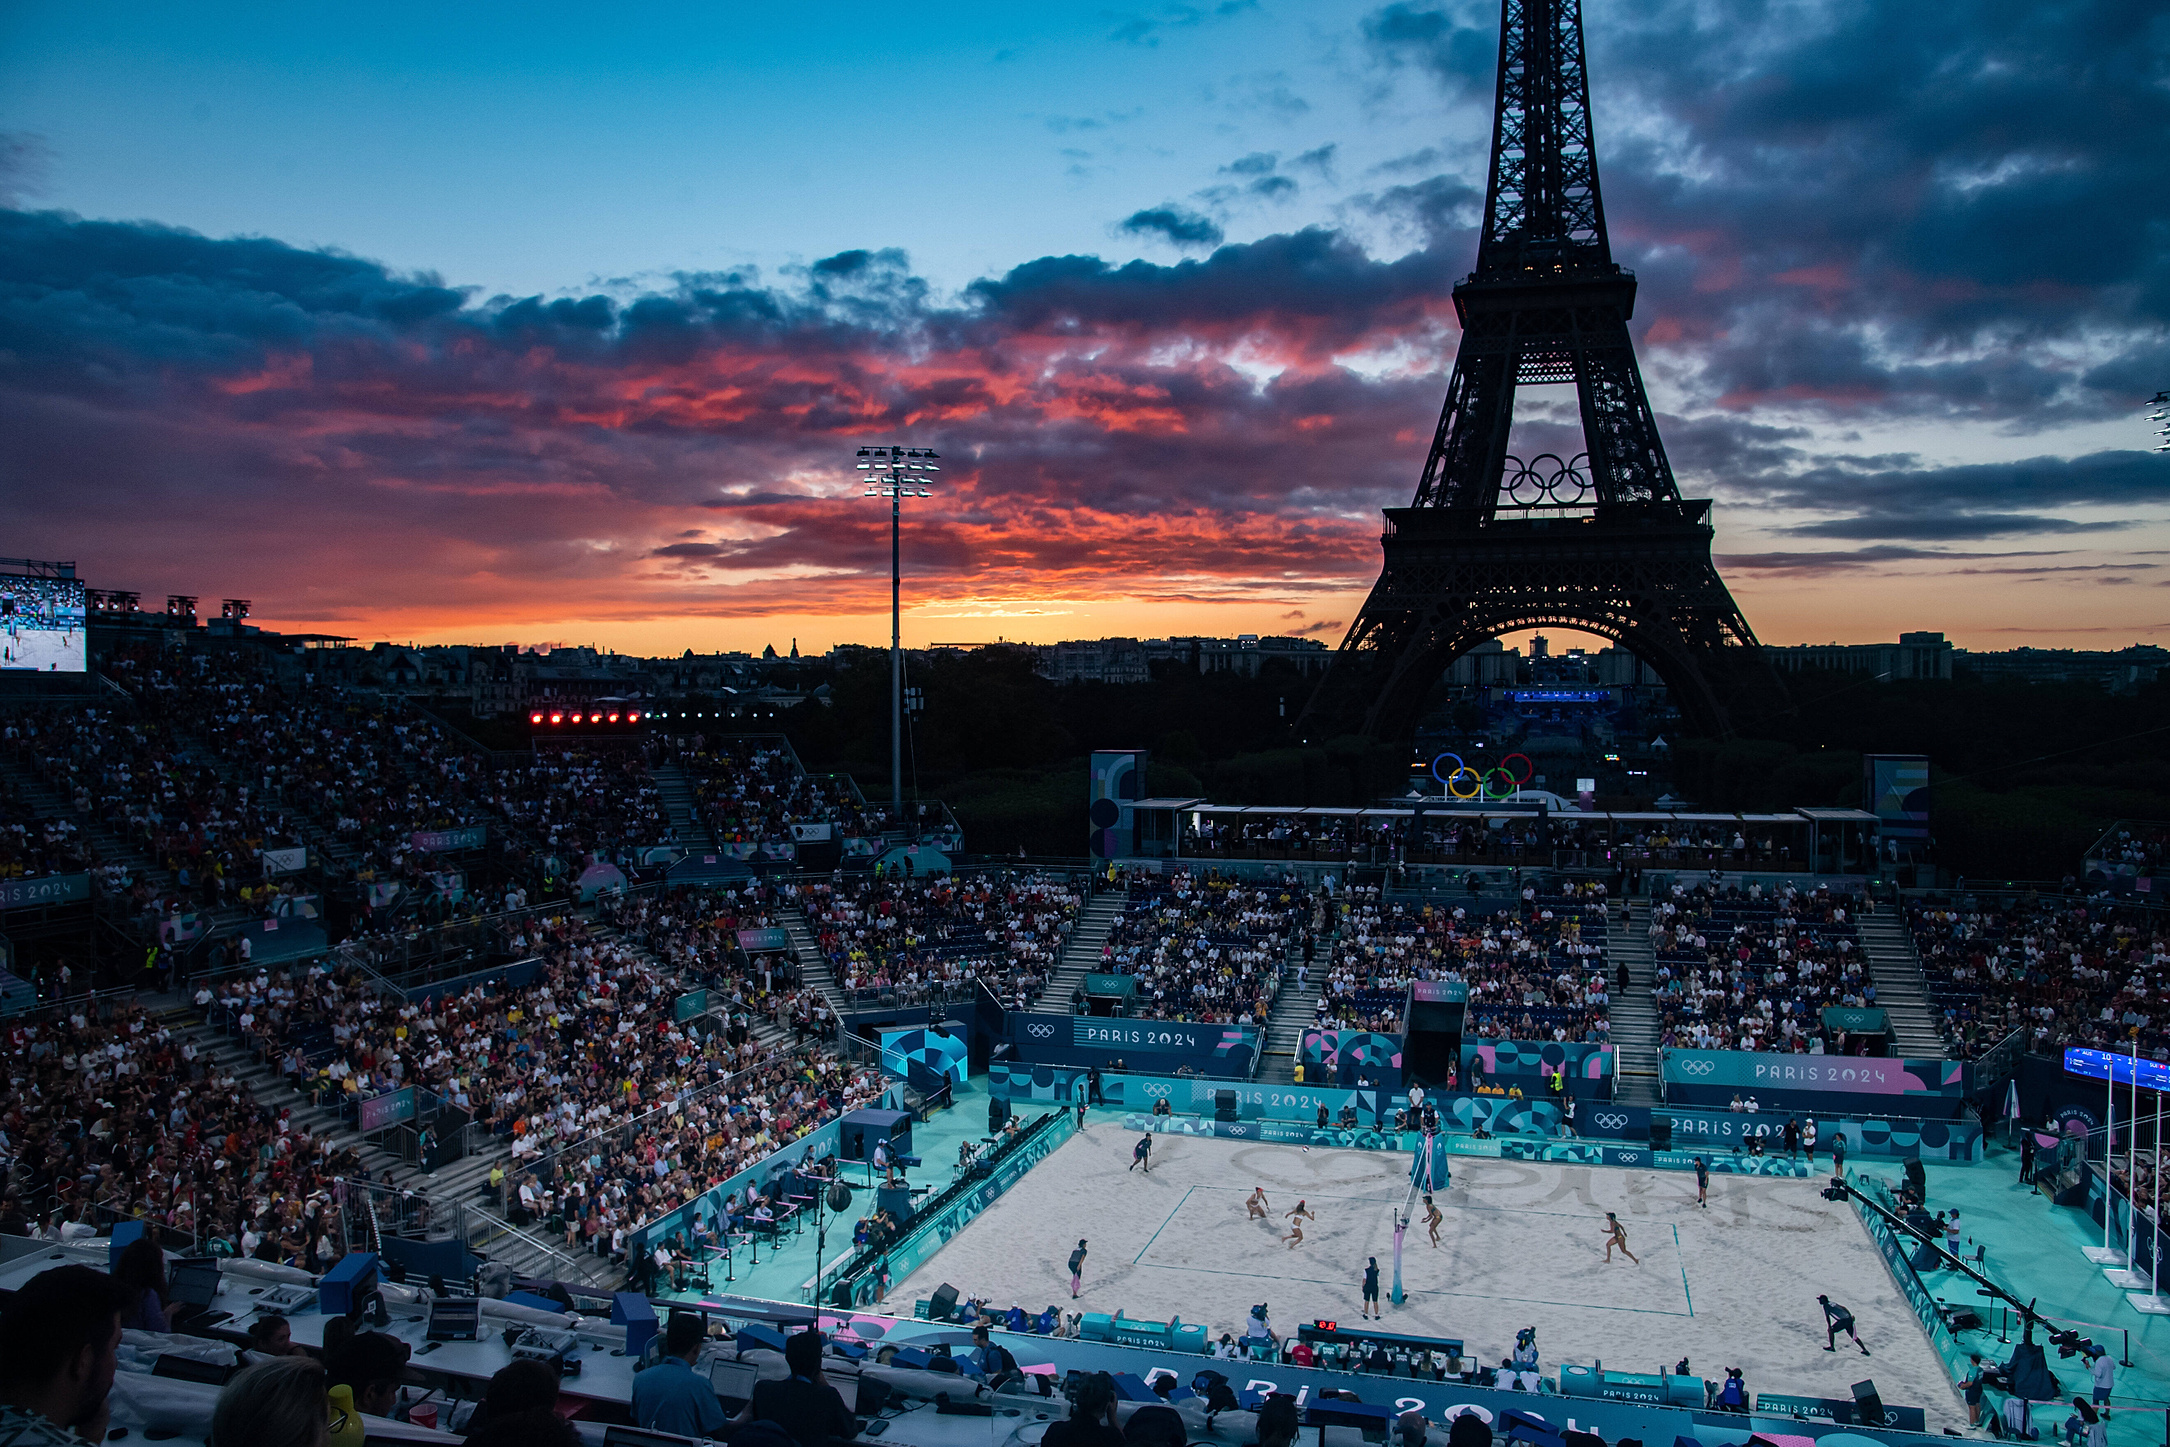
point(1245, 655)
point(1097, 660)
point(1489, 662)
point(2119, 672)
point(1915, 655)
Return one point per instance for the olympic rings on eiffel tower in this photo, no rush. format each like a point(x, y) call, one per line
point(1459, 766)
point(1476, 782)
point(1508, 784)
point(1529, 770)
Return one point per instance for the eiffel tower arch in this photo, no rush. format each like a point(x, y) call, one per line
point(1492, 544)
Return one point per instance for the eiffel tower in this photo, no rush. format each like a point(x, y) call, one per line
point(1492, 544)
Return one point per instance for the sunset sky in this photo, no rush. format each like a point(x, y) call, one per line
point(544, 323)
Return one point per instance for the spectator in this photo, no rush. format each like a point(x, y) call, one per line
point(1091, 1422)
point(668, 1397)
point(517, 1389)
point(141, 1272)
point(804, 1405)
point(1278, 1421)
point(369, 1364)
point(277, 1403)
point(535, 1427)
point(59, 1346)
point(1469, 1430)
point(272, 1336)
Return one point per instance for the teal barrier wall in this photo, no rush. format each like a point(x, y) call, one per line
point(1857, 1084)
point(1646, 1421)
point(1343, 1052)
point(1917, 1293)
point(1715, 1135)
point(930, 1233)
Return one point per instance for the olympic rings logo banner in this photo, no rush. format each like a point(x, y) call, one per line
point(1819, 1074)
point(1495, 783)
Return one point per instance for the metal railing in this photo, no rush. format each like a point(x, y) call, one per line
point(573, 1267)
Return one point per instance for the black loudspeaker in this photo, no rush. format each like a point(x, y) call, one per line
point(839, 1196)
point(1661, 1133)
point(1868, 1407)
point(1224, 1105)
point(943, 1304)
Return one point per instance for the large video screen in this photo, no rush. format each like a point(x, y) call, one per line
point(41, 625)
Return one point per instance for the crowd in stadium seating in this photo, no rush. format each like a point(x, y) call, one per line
point(694, 931)
point(2072, 972)
point(136, 776)
point(1535, 972)
point(928, 938)
point(752, 792)
point(1750, 970)
point(2137, 847)
point(31, 847)
point(1206, 949)
point(579, 801)
point(554, 1066)
point(109, 1116)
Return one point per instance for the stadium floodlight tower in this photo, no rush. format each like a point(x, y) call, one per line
point(897, 473)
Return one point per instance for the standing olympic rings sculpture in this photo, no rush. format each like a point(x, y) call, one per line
point(1497, 782)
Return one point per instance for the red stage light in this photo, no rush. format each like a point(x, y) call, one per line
point(613, 718)
point(557, 718)
point(632, 718)
point(534, 718)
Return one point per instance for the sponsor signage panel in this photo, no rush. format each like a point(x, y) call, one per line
point(389, 1109)
point(51, 889)
point(445, 841)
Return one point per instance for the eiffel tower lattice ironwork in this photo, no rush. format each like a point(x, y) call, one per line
point(1602, 542)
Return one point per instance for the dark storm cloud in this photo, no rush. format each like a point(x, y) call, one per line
point(1899, 498)
point(1174, 224)
point(167, 395)
point(1882, 556)
point(1876, 209)
point(1458, 46)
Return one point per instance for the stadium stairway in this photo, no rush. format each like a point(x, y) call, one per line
point(1081, 955)
point(813, 965)
point(270, 1088)
point(108, 844)
point(1901, 990)
point(1634, 1017)
point(1294, 1008)
point(677, 792)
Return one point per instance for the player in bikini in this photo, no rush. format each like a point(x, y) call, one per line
point(1616, 1235)
point(1296, 1219)
point(1257, 1204)
point(1432, 1219)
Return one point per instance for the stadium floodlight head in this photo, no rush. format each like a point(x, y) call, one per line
point(897, 473)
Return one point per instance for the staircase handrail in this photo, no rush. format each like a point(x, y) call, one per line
point(574, 1267)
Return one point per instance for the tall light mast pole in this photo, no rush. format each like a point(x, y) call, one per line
point(897, 473)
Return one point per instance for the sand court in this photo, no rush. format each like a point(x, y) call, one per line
point(1522, 1244)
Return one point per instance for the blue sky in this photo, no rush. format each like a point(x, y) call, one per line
point(277, 286)
point(548, 148)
